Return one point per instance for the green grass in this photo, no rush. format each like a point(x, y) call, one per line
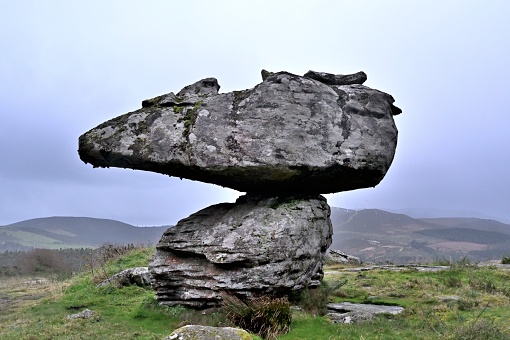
point(465, 302)
point(129, 312)
point(30, 239)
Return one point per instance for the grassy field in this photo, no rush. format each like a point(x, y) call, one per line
point(464, 302)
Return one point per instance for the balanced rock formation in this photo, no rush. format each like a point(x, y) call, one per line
point(284, 142)
point(256, 246)
point(289, 134)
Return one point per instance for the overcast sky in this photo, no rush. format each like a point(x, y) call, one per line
point(67, 66)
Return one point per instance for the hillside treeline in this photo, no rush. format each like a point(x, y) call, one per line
point(59, 263)
point(44, 261)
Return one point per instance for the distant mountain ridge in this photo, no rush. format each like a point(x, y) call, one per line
point(378, 235)
point(73, 232)
point(371, 234)
point(420, 213)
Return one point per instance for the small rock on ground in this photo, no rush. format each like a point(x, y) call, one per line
point(347, 312)
point(86, 314)
point(197, 332)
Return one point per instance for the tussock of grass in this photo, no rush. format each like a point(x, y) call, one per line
point(266, 316)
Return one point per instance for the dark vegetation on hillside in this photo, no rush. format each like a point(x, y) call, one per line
point(59, 264)
point(43, 262)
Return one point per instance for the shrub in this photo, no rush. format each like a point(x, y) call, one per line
point(481, 329)
point(485, 284)
point(505, 260)
point(266, 316)
point(467, 304)
point(442, 261)
point(451, 278)
point(315, 300)
point(44, 262)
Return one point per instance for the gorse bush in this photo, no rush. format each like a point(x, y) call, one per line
point(505, 260)
point(266, 316)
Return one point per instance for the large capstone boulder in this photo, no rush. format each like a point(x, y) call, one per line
point(255, 246)
point(319, 133)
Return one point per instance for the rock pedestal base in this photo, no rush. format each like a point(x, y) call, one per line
point(256, 246)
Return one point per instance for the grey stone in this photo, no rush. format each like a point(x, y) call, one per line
point(289, 134)
point(197, 332)
point(35, 281)
point(265, 74)
point(338, 256)
point(398, 268)
point(446, 298)
point(347, 312)
point(139, 276)
point(337, 79)
point(85, 314)
point(256, 246)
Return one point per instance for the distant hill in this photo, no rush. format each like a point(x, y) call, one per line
point(380, 236)
point(371, 234)
point(73, 232)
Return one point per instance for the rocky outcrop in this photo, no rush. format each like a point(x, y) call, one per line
point(284, 142)
point(289, 134)
point(337, 256)
point(138, 276)
point(198, 332)
point(255, 246)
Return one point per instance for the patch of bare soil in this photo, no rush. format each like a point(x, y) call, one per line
point(16, 293)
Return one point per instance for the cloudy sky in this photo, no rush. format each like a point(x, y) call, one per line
point(67, 66)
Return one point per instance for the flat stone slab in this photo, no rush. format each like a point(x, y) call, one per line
point(198, 332)
point(85, 314)
point(397, 268)
point(347, 312)
point(288, 134)
point(138, 276)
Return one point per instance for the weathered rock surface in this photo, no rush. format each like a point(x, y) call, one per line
point(85, 314)
point(256, 246)
point(289, 134)
point(337, 79)
point(139, 276)
point(197, 332)
point(347, 312)
point(338, 256)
